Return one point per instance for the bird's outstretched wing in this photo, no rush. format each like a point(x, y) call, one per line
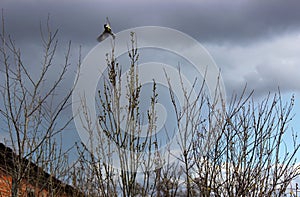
point(111, 33)
point(103, 36)
point(107, 21)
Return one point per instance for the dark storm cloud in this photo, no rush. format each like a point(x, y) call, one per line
point(208, 21)
point(230, 24)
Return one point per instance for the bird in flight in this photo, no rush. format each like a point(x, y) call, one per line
point(107, 32)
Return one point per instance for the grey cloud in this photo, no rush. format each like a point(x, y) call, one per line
point(263, 66)
point(208, 21)
point(271, 77)
point(244, 24)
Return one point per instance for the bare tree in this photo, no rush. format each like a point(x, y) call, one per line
point(133, 153)
point(248, 156)
point(32, 110)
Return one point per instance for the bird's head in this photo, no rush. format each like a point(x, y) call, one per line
point(107, 27)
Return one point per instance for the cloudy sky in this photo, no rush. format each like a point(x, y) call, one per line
point(252, 41)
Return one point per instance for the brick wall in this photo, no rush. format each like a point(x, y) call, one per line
point(35, 184)
point(5, 183)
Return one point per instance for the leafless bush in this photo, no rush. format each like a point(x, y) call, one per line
point(232, 149)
